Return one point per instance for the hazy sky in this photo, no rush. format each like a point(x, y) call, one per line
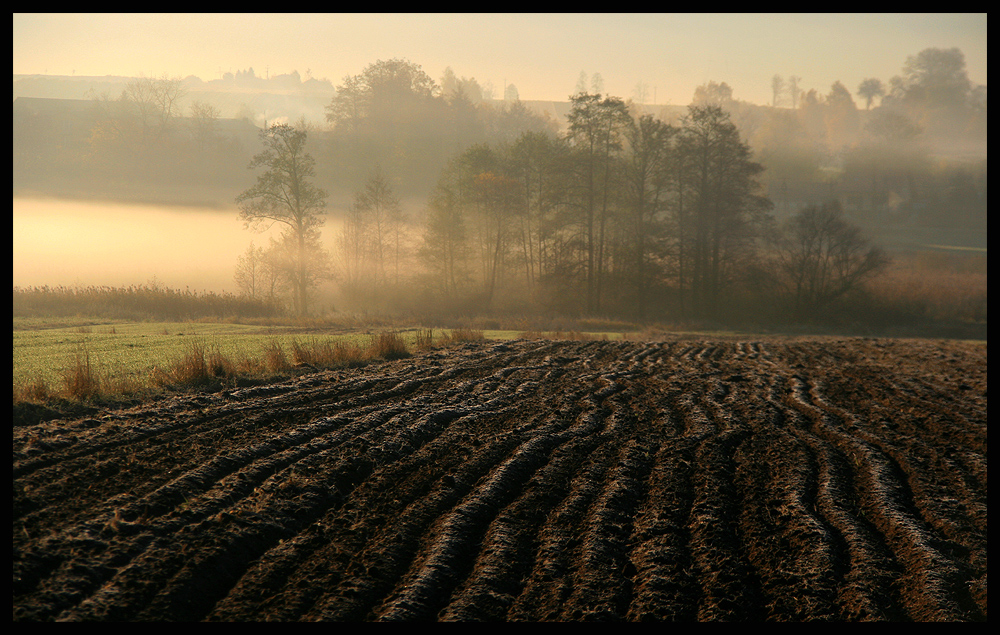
point(542, 54)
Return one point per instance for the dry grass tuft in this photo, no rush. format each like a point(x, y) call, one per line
point(36, 391)
point(198, 367)
point(275, 358)
point(425, 338)
point(327, 354)
point(345, 354)
point(302, 354)
point(462, 335)
point(251, 366)
point(388, 345)
point(80, 380)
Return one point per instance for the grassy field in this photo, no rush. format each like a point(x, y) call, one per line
point(137, 354)
point(82, 359)
point(123, 351)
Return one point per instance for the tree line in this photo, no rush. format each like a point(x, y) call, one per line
point(911, 147)
point(628, 215)
point(623, 214)
point(904, 147)
point(394, 114)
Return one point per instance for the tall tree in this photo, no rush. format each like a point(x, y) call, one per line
point(777, 89)
point(595, 132)
point(713, 94)
point(596, 83)
point(284, 194)
point(722, 210)
point(937, 77)
point(384, 115)
point(353, 253)
point(647, 182)
point(510, 93)
point(841, 117)
point(350, 105)
point(445, 241)
point(537, 162)
point(487, 194)
point(495, 195)
point(869, 89)
point(382, 217)
point(794, 90)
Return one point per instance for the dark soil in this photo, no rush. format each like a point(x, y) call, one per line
point(834, 479)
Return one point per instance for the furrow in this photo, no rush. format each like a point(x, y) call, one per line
point(932, 582)
point(729, 587)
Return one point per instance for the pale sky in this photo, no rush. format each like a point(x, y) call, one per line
point(542, 54)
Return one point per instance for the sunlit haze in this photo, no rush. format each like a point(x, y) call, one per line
point(135, 136)
point(58, 242)
point(542, 54)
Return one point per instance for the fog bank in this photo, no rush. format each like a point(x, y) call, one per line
point(62, 242)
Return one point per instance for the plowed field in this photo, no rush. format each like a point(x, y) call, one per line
point(839, 479)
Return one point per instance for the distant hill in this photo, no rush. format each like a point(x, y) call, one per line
point(281, 98)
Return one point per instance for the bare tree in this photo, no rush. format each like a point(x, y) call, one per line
point(156, 101)
point(823, 257)
point(793, 90)
point(381, 218)
point(445, 240)
point(138, 119)
point(353, 252)
point(640, 94)
point(204, 123)
point(777, 89)
point(256, 275)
